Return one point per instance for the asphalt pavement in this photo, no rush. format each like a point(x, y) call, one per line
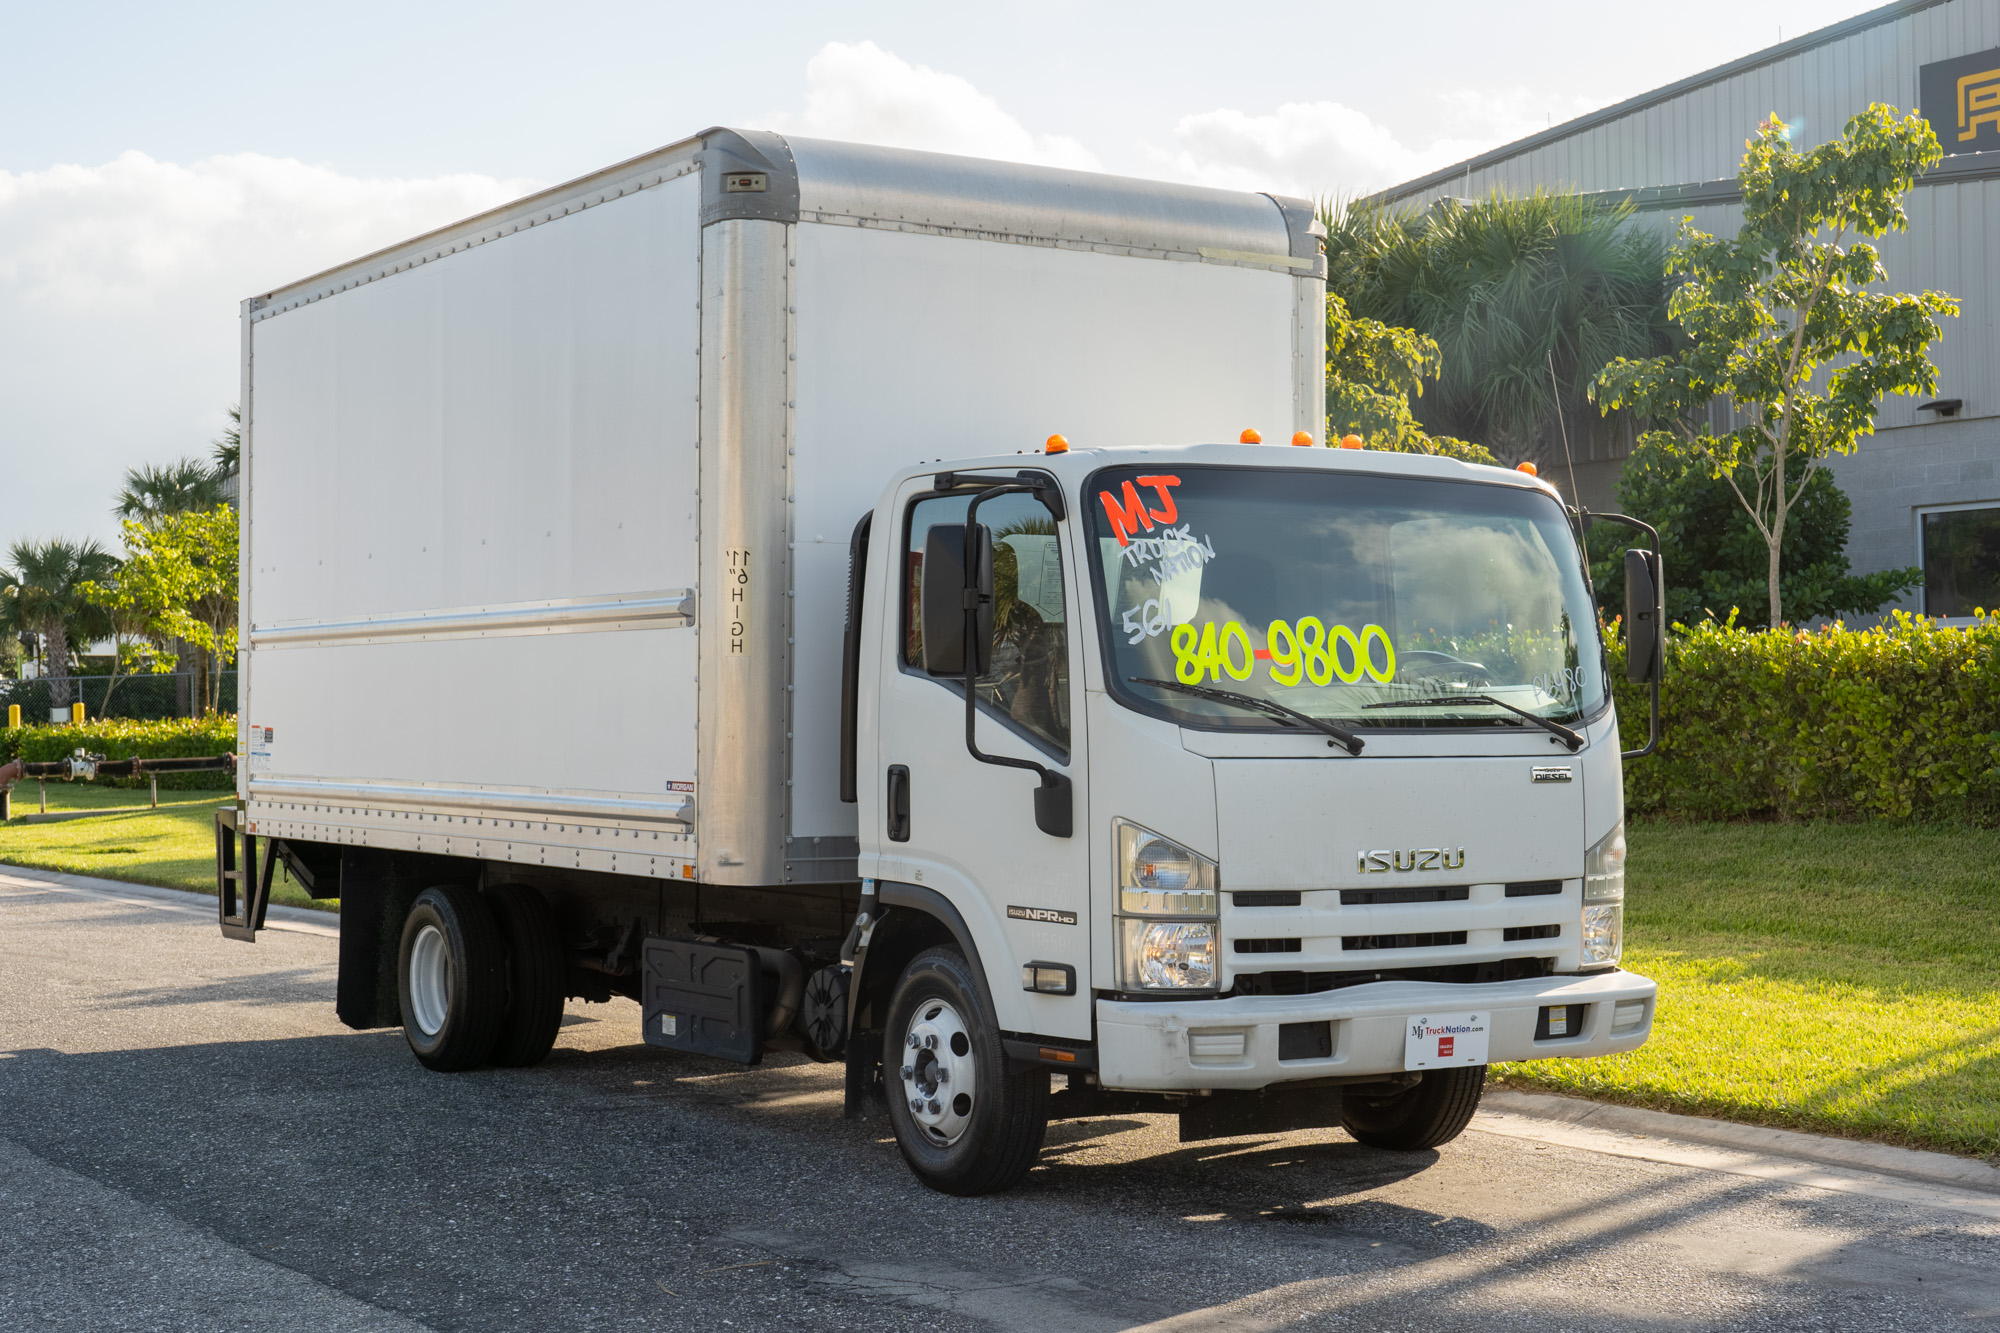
point(189, 1140)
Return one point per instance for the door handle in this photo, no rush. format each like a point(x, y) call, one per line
point(899, 803)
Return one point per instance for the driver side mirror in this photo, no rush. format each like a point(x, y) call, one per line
point(1645, 613)
point(942, 610)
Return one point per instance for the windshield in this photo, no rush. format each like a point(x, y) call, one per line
point(1335, 594)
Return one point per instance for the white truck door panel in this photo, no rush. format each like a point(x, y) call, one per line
point(971, 833)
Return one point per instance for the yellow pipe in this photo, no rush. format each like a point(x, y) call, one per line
point(76, 713)
point(13, 715)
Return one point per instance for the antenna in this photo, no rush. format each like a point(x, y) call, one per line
point(1557, 392)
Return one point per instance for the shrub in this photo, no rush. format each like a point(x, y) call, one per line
point(1898, 722)
point(124, 738)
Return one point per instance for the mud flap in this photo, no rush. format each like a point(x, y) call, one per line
point(704, 999)
point(1226, 1115)
point(241, 893)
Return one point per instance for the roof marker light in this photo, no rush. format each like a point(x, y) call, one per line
point(1528, 468)
point(1351, 442)
point(1250, 436)
point(1303, 439)
point(1056, 445)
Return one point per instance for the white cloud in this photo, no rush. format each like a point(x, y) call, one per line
point(119, 287)
point(1316, 148)
point(859, 92)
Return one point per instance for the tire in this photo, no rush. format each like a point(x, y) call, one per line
point(1433, 1113)
point(536, 971)
point(988, 1126)
point(451, 978)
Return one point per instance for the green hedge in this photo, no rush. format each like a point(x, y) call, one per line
point(1900, 722)
point(124, 738)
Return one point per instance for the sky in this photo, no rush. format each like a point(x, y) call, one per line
point(160, 163)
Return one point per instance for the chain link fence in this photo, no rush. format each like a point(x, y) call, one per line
point(145, 697)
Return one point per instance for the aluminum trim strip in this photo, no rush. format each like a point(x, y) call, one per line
point(544, 805)
point(672, 609)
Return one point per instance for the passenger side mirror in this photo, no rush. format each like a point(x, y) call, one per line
point(1645, 608)
point(942, 613)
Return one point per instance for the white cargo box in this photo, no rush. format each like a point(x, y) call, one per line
point(546, 514)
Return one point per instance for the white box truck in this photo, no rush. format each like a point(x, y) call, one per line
point(613, 563)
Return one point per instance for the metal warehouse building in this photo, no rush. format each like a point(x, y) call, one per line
point(1926, 486)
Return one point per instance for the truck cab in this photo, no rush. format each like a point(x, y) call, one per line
point(1343, 786)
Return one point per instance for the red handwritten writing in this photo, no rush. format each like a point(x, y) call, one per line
point(1130, 515)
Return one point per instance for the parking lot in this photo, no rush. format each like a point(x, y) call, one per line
point(189, 1140)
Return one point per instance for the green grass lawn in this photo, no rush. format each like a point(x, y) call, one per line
point(1833, 977)
point(173, 846)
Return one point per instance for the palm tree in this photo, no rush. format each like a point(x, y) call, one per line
point(1528, 297)
point(150, 493)
point(227, 454)
point(44, 597)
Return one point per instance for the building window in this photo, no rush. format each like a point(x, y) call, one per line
point(1961, 551)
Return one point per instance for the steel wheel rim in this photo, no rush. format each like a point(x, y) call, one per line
point(940, 1079)
point(430, 980)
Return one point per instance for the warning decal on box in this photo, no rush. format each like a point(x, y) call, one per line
point(261, 748)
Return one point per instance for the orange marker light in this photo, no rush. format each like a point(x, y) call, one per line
point(1528, 468)
point(1303, 440)
point(1350, 442)
point(1056, 445)
point(1249, 437)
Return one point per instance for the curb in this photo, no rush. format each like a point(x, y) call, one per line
point(1880, 1170)
point(299, 920)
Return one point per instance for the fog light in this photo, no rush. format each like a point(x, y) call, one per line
point(1603, 933)
point(1627, 1015)
point(1167, 955)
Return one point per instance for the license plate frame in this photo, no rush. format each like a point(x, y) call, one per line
point(1447, 1040)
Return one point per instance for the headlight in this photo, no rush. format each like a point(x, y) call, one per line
point(1603, 933)
point(1167, 955)
point(1604, 868)
point(1159, 877)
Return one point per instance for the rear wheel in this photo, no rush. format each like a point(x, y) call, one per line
point(965, 1123)
point(1434, 1112)
point(536, 971)
point(451, 978)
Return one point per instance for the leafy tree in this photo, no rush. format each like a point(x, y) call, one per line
point(151, 493)
point(179, 583)
point(45, 595)
point(1526, 296)
point(1780, 322)
point(227, 454)
point(1373, 372)
point(1715, 556)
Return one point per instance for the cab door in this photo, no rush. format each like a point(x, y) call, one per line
point(967, 829)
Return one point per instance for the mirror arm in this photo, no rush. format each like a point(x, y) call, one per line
point(1053, 809)
point(1653, 536)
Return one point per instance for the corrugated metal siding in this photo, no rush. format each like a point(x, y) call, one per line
point(1699, 135)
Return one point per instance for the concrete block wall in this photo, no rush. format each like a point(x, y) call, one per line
point(1897, 472)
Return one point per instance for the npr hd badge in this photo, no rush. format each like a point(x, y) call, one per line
point(1438, 1042)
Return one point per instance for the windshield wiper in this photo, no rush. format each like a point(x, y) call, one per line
point(1264, 706)
point(1568, 737)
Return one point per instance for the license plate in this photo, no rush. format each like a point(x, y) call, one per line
point(1438, 1041)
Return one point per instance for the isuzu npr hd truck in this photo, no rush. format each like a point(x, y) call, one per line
point(666, 586)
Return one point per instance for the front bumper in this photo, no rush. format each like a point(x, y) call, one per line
point(1178, 1045)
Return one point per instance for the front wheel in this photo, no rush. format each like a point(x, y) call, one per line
point(966, 1124)
point(1432, 1113)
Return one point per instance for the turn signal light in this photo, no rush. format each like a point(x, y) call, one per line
point(1350, 442)
point(1528, 468)
point(1302, 440)
point(1056, 445)
point(1250, 436)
